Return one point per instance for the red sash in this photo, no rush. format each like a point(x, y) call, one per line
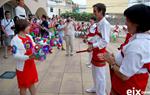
point(95, 60)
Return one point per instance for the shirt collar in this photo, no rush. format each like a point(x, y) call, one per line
point(142, 36)
point(102, 20)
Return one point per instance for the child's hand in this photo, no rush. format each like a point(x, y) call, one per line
point(31, 56)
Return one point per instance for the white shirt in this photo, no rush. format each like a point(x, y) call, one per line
point(92, 28)
point(136, 54)
point(7, 24)
point(20, 11)
point(69, 28)
point(104, 28)
point(20, 52)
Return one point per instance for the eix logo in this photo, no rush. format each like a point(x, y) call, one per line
point(134, 91)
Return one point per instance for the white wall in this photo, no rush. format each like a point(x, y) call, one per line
point(53, 5)
point(133, 2)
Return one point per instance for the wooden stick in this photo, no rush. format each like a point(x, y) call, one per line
point(81, 51)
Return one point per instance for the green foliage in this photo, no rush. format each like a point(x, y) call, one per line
point(78, 16)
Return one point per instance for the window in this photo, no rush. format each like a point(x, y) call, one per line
point(51, 9)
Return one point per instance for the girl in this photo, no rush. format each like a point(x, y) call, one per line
point(22, 45)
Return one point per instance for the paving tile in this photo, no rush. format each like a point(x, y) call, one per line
point(46, 94)
point(72, 77)
point(53, 76)
point(73, 68)
point(49, 87)
point(71, 87)
point(70, 94)
point(87, 77)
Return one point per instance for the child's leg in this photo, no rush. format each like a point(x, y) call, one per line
point(23, 91)
point(32, 89)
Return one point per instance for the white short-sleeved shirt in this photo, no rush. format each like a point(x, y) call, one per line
point(104, 28)
point(70, 30)
point(20, 11)
point(136, 54)
point(7, 24)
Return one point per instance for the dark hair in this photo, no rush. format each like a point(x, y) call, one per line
point(93, 18)
point(17, 1)
point(139, 14)
point(21, 25)
point(100, 7)
point(44, 16)
point(6, 12)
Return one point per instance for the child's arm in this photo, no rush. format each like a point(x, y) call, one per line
point(17, 53)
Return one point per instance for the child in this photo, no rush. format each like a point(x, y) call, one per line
point(60, 28)
point(89, 35)
point(22, 45)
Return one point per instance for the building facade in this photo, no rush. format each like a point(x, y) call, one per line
point(56, 7)
point(37, 7)
point(113, 6)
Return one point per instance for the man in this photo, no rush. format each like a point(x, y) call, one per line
point(20, 11)
point(69, 36)
point(101, 40)
point(7, 23)
point(44, 26)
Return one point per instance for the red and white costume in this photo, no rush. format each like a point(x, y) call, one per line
point(100, 41)
point(134, 62)
point(90, 34)
point(25, 70)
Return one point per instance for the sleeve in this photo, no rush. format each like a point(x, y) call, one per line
point(118, 58)
point(17, 12)
point(105, 32)
point(16, 52)
point(131, 64)
point(2, 23)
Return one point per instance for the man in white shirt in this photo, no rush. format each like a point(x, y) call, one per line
point(20, 11)
point(69, 36)
point(100, 41)
point(7, 23)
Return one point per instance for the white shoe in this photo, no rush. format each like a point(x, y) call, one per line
point(89, 66)
point(91, 90)
point(88, 63)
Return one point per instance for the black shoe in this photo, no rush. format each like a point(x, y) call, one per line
point(63, 49)
point(71, 54)
point(5, 57)
point(67, 54)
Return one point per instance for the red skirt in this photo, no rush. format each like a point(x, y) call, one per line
point(137, 82)
point(28, 76)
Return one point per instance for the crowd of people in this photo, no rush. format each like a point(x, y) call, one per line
point(128, 69)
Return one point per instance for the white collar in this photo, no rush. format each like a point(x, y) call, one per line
point(141, 36)
point(102, 20)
